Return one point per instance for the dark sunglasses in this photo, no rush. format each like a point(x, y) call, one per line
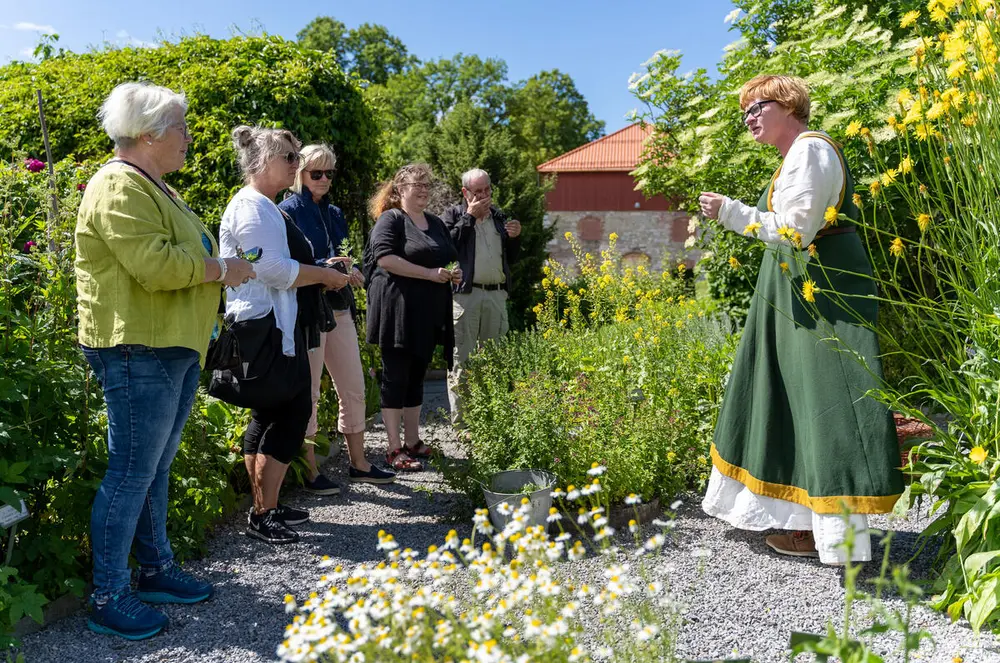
point(755, 109)
point(317, 175)
point(292, 157)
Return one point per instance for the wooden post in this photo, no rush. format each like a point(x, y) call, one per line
point(53, 193)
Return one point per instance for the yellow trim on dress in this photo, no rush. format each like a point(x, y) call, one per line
point(843, 165)
point(823, 505)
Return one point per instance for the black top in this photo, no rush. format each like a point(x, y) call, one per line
point(403, 312)
point(462, 227)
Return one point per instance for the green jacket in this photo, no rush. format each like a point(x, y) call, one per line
point(140, 263)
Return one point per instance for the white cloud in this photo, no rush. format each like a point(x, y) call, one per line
point(125, 39)
point(34, 27)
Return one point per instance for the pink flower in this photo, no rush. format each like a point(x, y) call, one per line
point(81, 187)
point(34, 165)
point(28, 246)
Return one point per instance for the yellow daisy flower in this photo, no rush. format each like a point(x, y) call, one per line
point(813, 253)
point(830, 216)
point(856, 199)
point(809, 290)
point(896, 248)
point(733, 262)
point(853, 128)
point(875, 187)
point(909, 18)
point(906, 165)
point(784, 267)
point(924, 222)
point(977, 455)
point(751, 228)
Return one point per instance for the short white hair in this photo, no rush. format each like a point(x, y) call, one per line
point(470, 176)
point(134, 109)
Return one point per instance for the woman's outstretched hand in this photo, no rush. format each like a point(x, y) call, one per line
point(710, 203)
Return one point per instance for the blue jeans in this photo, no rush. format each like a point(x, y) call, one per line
point(149, 393)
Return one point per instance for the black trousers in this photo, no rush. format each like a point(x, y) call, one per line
point(279, 431)
point(402, 378)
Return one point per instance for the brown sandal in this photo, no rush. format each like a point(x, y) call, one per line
point(420, 450)
point(401, 461)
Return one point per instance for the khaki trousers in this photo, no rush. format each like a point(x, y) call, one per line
point(338, 349)
point(480, 315)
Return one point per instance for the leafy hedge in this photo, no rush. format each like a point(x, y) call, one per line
point(262, 79)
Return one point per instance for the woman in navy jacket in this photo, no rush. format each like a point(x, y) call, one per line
point(325, 227)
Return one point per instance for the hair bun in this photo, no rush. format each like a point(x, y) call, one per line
point(243, 136)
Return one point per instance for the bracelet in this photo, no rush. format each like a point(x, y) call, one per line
point(223, 267)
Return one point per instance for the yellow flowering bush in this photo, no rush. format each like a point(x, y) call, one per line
point(623, 366)
point(517, 602)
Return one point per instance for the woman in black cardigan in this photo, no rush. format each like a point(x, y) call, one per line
point(409, 303)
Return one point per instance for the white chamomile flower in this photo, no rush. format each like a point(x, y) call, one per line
point(633, 499)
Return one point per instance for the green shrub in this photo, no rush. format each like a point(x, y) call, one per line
point(627, 371)
point(263, 79)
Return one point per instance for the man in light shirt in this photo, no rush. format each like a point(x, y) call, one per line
point(486, 242)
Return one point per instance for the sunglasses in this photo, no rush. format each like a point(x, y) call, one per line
point(292, 157)
point(317, 175)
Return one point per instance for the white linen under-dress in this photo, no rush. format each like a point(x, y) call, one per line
point(252, 220)
point(811, 180)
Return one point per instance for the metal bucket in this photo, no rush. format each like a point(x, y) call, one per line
point(506, 487)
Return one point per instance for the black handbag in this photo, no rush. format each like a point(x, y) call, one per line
point(223, 350)
point(264, 377)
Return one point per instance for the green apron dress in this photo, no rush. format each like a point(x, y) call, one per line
point(796, 423)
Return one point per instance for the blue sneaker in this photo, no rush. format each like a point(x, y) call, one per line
point(126, 616)
point(172, 585)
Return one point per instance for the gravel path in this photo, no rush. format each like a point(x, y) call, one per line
point(739, 599)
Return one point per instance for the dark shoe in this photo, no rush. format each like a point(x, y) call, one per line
point(172, 585)
point(269, 529)
point(290, 515)
point(374, 475)
point(126, 616)
point(321, 486)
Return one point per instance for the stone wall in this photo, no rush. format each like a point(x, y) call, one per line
point(660, 236)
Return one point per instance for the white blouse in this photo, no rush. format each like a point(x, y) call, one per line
point(250, 221)
point(810, 181)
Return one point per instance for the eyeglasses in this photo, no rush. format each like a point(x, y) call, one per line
point(292, 158)
point(422, 186)
point(317, 175)
point(183, 128)
point(755, 109)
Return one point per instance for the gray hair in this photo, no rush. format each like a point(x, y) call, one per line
point(470, 176)
point(255, 146)
point(314, 155)
point(134, 109)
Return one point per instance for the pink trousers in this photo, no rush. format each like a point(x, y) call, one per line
point(338, 350)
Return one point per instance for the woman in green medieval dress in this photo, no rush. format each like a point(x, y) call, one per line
point(798, 440)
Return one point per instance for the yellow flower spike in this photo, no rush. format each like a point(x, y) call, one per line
point(923, 222)
point(784, 267)
point(977, 455)
point(896, 247)
point(909, 18)
point(809, 290)
point(853, 128)
point(813, 253)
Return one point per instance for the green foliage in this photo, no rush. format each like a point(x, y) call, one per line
point(369, 50)
point(623, 368)
point(549, 116)
point(263, 79)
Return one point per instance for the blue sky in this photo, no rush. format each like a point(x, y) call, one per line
point(599, 43)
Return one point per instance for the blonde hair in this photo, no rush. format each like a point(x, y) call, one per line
point(134, 109)
point(313, 155)
point(387, 196)
point(789, 91)
point(255, 146)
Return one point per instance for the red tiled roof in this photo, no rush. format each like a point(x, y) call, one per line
point(619, 151)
